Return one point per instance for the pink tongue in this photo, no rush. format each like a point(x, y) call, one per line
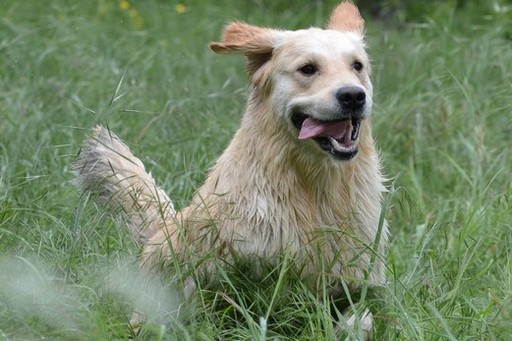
point(313, 128)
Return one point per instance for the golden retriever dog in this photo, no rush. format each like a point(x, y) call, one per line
point(301, 175)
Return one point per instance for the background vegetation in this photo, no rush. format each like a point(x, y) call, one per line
point(443, 80)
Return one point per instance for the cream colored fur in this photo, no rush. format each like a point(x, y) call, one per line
point(269, 191)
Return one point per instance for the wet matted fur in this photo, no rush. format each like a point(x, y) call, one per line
point(301, 173)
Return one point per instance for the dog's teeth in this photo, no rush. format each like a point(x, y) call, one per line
point(340, 147)
point(335, 143)
point(355, 130)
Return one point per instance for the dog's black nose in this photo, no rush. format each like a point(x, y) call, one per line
point(351, 97)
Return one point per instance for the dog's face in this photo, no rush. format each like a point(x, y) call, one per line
point(321, 87)
point(317, 81)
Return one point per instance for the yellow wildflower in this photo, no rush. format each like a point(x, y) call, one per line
point(136, 18)
point(180, 8)
point(124, 4)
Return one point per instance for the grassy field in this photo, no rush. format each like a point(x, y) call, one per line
point(443, 122)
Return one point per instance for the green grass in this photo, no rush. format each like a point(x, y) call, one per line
point(442, 121)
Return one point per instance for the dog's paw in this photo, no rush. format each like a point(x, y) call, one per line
point(137, 321)
point(360, 326)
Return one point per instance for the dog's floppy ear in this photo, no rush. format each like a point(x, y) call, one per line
point(256, 43)
point(346, 17)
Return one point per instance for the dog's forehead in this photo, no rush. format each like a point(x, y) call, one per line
point(315, 41)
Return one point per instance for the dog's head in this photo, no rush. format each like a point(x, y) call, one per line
point(316, 81)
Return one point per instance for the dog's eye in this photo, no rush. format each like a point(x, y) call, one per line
point(308, 69)
point(358, 66)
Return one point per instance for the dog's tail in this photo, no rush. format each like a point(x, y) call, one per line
point(108, 170)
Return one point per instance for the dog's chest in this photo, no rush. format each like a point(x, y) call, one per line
point(273, 220)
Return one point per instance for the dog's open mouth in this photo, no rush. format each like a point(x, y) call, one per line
point(338, 137)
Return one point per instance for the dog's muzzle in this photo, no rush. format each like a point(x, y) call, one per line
point(338, 137)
